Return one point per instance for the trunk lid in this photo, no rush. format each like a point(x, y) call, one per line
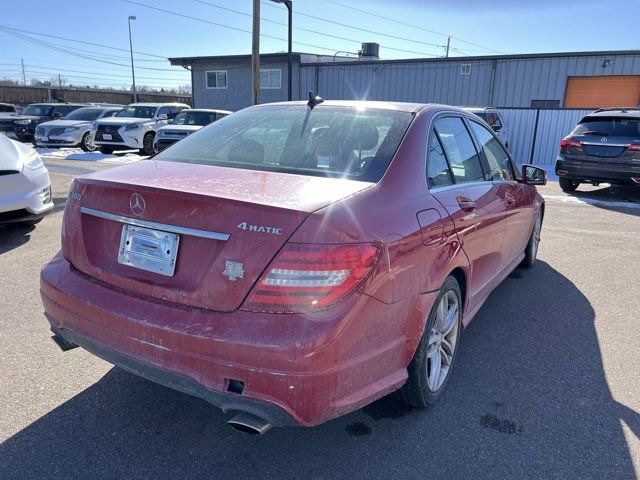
point(258, 210)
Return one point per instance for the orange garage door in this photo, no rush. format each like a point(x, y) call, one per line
point(603, 91)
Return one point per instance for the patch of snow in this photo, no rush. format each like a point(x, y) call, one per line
point(590, 201)
point(80, 155)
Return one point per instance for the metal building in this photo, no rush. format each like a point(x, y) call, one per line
point(542, 95)
point(554, 80)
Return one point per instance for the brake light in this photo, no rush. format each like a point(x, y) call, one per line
point(566, 142)
point(308, 277)
point(634, 147)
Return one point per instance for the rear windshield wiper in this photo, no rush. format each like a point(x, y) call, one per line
point(594, 132)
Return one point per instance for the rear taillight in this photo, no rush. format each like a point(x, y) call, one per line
point(566, 142)
point(634, 147)
point(308, 277)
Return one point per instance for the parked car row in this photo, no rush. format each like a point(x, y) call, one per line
point(105, 127)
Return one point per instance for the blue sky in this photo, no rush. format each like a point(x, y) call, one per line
point(404, 29)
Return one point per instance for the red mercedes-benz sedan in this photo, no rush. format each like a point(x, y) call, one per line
point(296, 261)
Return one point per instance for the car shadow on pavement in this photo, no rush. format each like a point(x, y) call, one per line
point(14, 235)
point(528, 398)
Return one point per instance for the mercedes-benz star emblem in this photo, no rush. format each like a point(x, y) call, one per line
point(137, 204)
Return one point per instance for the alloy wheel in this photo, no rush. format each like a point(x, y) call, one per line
point(442, 340)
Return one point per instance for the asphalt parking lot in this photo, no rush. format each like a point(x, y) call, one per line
point(546, 384)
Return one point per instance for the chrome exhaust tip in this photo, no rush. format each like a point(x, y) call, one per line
point(249, 423)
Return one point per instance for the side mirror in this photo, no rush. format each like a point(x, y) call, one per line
point(533, 175)
point(57, 115)
point(161, 117)
point(496, 128)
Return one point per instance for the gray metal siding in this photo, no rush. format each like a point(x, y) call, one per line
point(237, 95)
point(553, 126)
point(517, 81)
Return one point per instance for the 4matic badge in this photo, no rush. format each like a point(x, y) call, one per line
point(260, 228)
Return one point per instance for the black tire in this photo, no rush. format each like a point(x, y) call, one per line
point(147, 144)
point(531, 250)
point(106, 150)
point(416, 392)
point(569, 184)
point(86, 144)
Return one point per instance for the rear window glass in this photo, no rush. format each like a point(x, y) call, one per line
point(609, 127)
point(331, 141)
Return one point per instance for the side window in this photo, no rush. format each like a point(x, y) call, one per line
point(459, 149)
point(163, 110)
point(110, 114)
point(173, 111)
point(438, 172)
point(500, 167)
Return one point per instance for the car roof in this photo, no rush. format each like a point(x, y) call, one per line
point(149, 104)
point(208, 110)
point(627, 112)
point(61, 103)
point(479, 109)
point(399, 106)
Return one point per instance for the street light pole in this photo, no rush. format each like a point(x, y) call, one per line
point(289, 5)
point(133, 72)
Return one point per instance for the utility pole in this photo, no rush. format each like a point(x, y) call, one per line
point(24, 77)
point(133, 72)
point(446, 54)
point(59, 81)
point(255, 52)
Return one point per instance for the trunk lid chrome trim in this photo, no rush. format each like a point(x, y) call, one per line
point(158, 226)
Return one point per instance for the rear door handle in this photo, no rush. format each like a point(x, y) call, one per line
point(466, 203)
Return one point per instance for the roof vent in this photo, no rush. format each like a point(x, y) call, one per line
point(370, 51)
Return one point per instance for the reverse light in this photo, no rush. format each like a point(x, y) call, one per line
point(566, 142)
point(309, 277)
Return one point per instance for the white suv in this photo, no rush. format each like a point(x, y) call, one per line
point(134, 127)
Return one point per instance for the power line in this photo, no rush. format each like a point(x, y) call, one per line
point(247, 31)
point(322, 33)
point(106, 74)
point(63, 49)
point(179, 72)
point(411, 25)
point(81, 41)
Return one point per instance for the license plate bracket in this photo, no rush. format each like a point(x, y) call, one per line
point(147, 249)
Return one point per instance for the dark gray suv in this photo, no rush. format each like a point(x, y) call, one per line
point(604, 147)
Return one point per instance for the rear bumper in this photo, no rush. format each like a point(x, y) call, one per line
point(226, 402)
point(296, 369)
point(598, 172)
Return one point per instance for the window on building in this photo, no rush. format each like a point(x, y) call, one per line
point(217, 79)
point(270, 78)
point(465, 69)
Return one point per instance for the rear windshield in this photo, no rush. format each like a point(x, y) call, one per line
point(84, 114)
point(37, 110)
point(137, 112)
point(330, 141)
point(609, 127)
point(193, 118)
